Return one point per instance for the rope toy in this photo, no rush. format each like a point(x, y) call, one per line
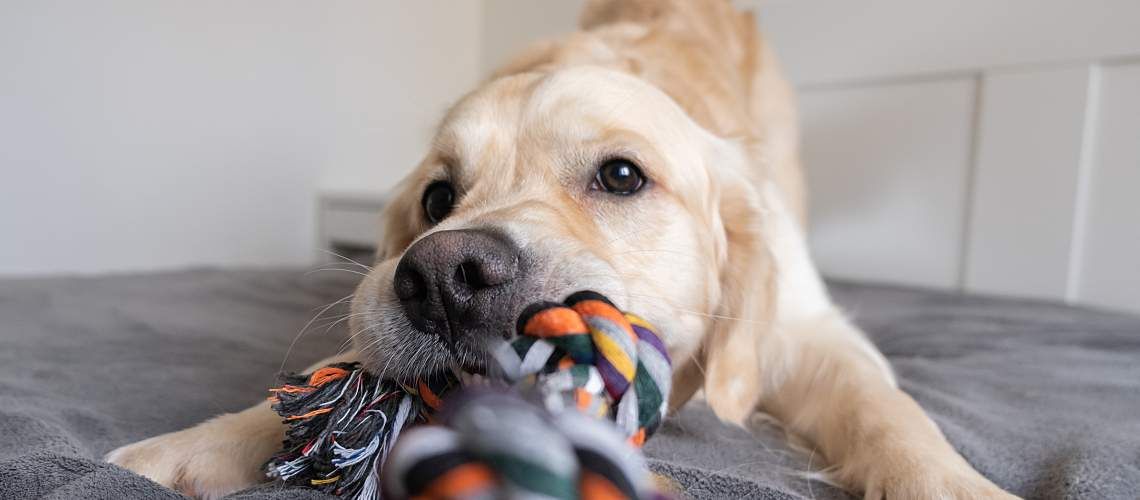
point(342, 422)
point(584, 354)
point(588, 354)
point(496, 445)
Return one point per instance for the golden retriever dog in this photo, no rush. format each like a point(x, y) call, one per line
point(652, 157)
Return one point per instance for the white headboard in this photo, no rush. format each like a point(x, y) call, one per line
point(975, 145)
point(979, 145)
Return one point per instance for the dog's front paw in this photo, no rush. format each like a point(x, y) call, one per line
point(216, 458)
point(930, 481)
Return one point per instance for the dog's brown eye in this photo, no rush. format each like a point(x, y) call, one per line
point(619, 176)
point(439, 198)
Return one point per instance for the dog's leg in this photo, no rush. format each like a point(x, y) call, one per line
point(219, 456)
point(818, 374)
point(836, 391)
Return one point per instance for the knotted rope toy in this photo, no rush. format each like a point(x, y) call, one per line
point(588, 353)
point(583, 354)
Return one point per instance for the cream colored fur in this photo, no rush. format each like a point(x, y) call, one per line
point(713, 251)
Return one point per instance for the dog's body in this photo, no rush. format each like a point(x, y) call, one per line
point(651, 157)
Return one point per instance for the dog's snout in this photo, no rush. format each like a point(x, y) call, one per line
point(453, 282)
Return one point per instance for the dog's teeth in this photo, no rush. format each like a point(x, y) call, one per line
point(468, 378)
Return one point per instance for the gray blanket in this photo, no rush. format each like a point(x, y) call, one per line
point(1042, 398)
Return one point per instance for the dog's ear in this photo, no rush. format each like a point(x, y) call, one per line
point(730, 352)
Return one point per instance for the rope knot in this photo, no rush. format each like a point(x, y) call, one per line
point(588, 354)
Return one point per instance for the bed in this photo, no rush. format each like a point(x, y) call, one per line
point(1040, 397)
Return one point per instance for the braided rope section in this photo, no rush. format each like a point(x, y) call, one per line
point(587, 354)
point(582, 354)
point(496, 445)
point(343, 421)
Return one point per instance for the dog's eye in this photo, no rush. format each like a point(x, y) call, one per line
point(439, 198)
point(619, 176)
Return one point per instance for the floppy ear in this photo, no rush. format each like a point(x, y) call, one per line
point(732, 381)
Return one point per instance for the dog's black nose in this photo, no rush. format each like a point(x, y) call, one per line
point(454, 283)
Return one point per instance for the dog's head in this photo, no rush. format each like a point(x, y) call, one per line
point(542, 184)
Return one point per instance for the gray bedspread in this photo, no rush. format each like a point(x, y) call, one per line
point(1042, 398)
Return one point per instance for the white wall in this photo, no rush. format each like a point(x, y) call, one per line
point(509, 25)
point(394, 68)
point(1001, 138)
point(975, 145)
point(141, 135)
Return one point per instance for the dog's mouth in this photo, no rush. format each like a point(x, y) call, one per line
point(424, 354)
point(469, 351)
point(467, 373)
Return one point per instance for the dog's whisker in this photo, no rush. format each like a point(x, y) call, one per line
point(336, 269)
point(660, 250)
point(666, 302)
point(623, 236)
point(339, 321)
point(347, 260)
point(366, 328)
point(306, 327)
point(336, 320)
point(811, 491)
point(696, 360)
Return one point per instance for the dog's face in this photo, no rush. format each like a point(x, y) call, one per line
point(539, 185)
